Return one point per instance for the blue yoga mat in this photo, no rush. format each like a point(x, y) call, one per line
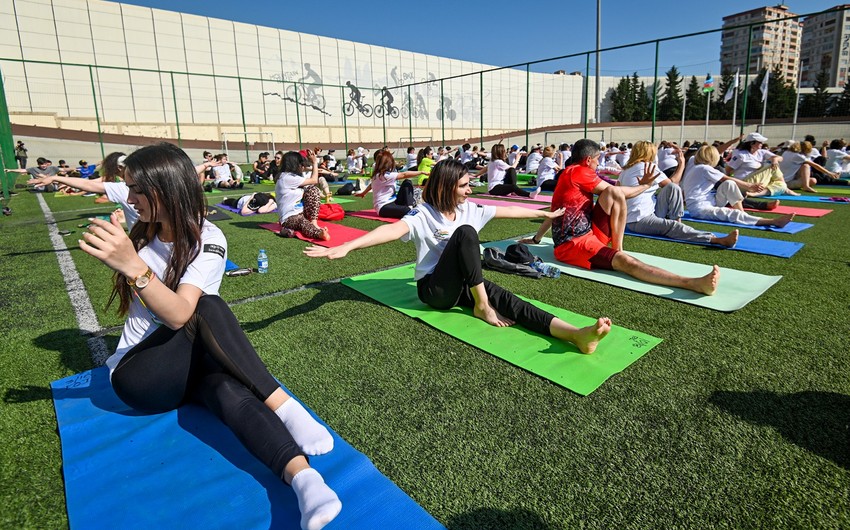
point(185, 469)
point(807, 198)
point(791, 228)
point(756, 245)
point(230, 266)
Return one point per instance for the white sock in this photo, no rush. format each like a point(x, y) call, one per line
point(312, 437)
point(318, 503)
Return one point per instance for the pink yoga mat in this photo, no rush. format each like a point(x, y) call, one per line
point(540, 198)
point(372, 214)
point(339, 234)
point(805, 212)
point(491, 202)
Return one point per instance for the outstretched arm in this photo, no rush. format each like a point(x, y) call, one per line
point(820, 168)
point(92, 186)
point(382, 234)
point(518, 212)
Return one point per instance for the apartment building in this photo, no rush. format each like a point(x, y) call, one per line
point(777, 42)
point(826, 47)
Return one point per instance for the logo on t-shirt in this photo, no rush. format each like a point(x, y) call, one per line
point(735, 157)
point(412, 212)
point(215, 249)
point(441, 235)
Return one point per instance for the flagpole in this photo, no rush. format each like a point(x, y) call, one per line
point(734, 104)
point(764, 98)
point(707, 110)
point(797, 102)
point(682, 127)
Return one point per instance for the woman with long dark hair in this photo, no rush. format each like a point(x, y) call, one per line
point(293, 188)
point(501, 176)
point(181, 343)
point(448, 257)
point(384, 178)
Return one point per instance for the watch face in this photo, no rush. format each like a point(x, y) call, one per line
point(142, 281)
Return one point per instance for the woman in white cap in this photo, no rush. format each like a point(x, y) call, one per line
point(748, 164)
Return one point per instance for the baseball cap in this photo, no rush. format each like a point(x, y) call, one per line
point(755, 137)
point(515, 146)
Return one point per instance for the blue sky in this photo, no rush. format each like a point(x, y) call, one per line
point(502, 33)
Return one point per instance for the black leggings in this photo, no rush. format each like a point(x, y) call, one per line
point(459, 268)
point(209, 361)
point(404, 201)
point(508, 185)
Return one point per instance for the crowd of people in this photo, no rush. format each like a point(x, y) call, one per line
point(181, 343)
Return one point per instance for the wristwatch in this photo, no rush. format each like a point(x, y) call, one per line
point(141, 281)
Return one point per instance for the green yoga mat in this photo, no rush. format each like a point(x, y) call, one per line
point(557, 361)
point(736, 288)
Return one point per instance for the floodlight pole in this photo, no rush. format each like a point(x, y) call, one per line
point(598, 46)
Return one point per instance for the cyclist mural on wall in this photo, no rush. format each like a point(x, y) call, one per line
point(305, 91)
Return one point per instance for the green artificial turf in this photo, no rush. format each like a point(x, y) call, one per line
point(737, 420)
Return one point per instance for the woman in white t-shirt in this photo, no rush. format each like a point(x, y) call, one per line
point(797, 165)
point(181, 343)
point(747, 164)
point(837, 159)
point(563, 155)
point(660, 215)
point(298, 197)
point(501, 176)
point(448, 258)
point(546, 171)
point(223, 172)
point(713, 196)
point(382, 186)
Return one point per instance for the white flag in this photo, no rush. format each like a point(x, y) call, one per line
point(732, 90)
point(764, 85)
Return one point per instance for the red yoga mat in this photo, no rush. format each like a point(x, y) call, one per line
point(372, 214)
point(339, 234)
point(805, 212)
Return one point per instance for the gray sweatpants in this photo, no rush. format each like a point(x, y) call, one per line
point(669, 207)
point(727, 193)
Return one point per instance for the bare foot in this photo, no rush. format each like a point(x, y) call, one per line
point(491, 316)
point(728, 240)
point(792, 193)
point(588, 338)
point(326, 235)
point(772, 204)
point(535, 193)
point(707, 284)
point(781, 221)
point(810, 190)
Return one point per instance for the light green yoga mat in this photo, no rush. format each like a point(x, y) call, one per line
point(548, 357)
point(736, 288)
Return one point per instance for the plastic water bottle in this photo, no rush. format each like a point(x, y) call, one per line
point(550, 271)
point(262, 262)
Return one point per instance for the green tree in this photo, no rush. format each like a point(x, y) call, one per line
point(816, 105)
point(670, 103)
point(720, 110)
point(695, 101)
point(841, 105)
point(622, 101)
point(643, 102)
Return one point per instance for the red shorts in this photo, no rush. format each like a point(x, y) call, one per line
point(590, 251)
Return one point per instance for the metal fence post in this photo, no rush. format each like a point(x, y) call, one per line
point(297, 115)
point(586, 91)
point(244, 125)
point(481, 105)
point(527, 99)
point(176, 115)
point(746, 81)
point(443, 112)
point(655, 92)
point(96, 113)
point(344, 118)
point(409, 114)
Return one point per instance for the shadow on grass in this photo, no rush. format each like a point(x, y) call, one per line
point(484, 518)
point(816, 421)
point(325, 294)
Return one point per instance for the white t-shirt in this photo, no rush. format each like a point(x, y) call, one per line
point(835, 160)
point(791, 164)
point(289, 194)
point(746, 163)
point(383, 189)
point(623, 157)
point(666, 159)
point(496, 173)
point(546, 170)
point(352, 163)
point(698, 185)
point(411, 162)
point(204, 272)
point(430, 231)
point(512, 156)
point(532, 162)
point(222, 174)
point(118, 192)
point(331, 161)
point(644, 204)
point(465, 157)
point(565, 157)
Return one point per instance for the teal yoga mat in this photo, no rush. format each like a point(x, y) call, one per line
point(736, 288)
point(547, 357)
point(823, 199)
point(186, 469)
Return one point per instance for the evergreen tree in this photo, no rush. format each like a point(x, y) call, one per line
point(656, 91)
point(695, 101)
point(781, 95)
point(841, 105)
point(670, 104)
point(643, 105)
point(622, 101)
point(720, 110)
point(816, 105)
point(754, 103)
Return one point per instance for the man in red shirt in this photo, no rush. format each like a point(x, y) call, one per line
point(583, 233)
